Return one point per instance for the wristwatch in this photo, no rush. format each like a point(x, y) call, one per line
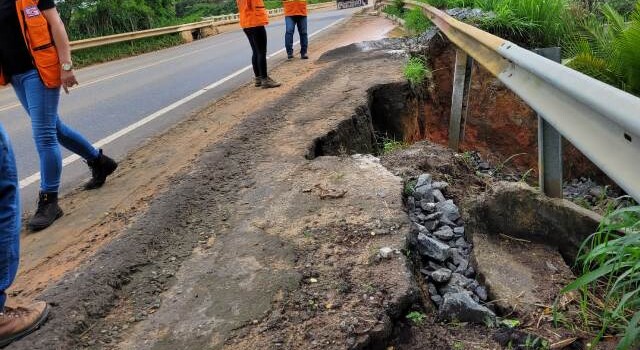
point(68, 66)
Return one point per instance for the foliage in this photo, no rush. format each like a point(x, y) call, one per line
point(416, 22)
point(609, 52)
point(416, 71)
point(395, 9)
point(111, 52)
point(416, 317)
point(610, 264)
point(391, 145)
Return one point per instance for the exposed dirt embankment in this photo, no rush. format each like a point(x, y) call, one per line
point(498, 123)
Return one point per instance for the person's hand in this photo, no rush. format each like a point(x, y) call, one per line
point(68, 80)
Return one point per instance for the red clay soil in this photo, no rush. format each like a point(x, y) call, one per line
point(499, 124)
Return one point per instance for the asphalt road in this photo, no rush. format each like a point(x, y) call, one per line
point(122, 103)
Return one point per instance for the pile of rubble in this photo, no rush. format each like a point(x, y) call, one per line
point(445, 254)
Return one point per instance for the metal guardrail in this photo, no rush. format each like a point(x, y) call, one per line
point(601, 121)
point(208, 22)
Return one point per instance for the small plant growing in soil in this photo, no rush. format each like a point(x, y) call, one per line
point(610, 280)
point(416, 71)
point(391, 145)
point(409, 187)
point(416, 317)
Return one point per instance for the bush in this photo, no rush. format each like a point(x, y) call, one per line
point(609, 51)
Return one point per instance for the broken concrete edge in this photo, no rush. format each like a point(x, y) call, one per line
point(556, 222)
point(92, 291)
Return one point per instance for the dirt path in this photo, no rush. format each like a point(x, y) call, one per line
point(229, 188)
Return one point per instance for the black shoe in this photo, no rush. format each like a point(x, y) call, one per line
point(258, 82)
point(48, 211)
point(304, 56)
point(101, 167)
point(289, 56)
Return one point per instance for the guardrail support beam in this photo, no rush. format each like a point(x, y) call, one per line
point(459, 97)
point(549, 144)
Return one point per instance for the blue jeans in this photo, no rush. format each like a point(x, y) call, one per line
point(9, 217)
point(291, 22)
point(41, 103)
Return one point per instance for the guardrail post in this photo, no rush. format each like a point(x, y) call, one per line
point(549, 144)
point(459, 97)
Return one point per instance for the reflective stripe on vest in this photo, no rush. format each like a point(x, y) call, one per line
point(252, 13)
point(39, 41)
point(295, 7)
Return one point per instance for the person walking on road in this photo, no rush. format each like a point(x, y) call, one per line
point(35, 58)
point(295, 12)
point(19, 321)
point(253, 19)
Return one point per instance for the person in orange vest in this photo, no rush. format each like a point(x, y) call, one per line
point(15, 322)
point(253, 19)
point(295, 12)
point(35, 58)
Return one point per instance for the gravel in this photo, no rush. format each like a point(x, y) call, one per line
point(445, 254)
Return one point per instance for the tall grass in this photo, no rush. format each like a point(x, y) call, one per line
point(533, 23)
point(416, 22)
point(416, 71)
point(610, 264)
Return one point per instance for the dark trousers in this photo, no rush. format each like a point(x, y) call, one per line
point(258, 39)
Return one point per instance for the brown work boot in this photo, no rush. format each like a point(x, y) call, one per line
point(268, 83)
point(16, 323)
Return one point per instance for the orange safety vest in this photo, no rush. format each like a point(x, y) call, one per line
point(295, 7)
point(37, 36)
point(252, 13)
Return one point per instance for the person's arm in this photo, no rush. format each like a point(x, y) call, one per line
point(61, 41)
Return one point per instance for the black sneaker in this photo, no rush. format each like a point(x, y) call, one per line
point(258, 82)
point(48, 211)
point(101, 167)
point(290, 56)
point(304, 56)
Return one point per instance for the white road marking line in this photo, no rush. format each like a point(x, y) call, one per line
point(108, 77)
point(72, 158)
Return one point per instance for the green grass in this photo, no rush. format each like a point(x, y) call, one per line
point(416, 71)
point(532, 23)
point(391, 145)
point(395, 9)
point(416, 22)
point(86, 57)
point(609, 261)
point(416, 317)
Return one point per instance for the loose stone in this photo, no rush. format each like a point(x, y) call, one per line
point(433, 248)
point(445, 233)
point(439, 185)
point(449, 210)
point(481, 292)
point(431, 224)
point(386, 252)
point(461, 307)
point(441, 275)
point(439, 197)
